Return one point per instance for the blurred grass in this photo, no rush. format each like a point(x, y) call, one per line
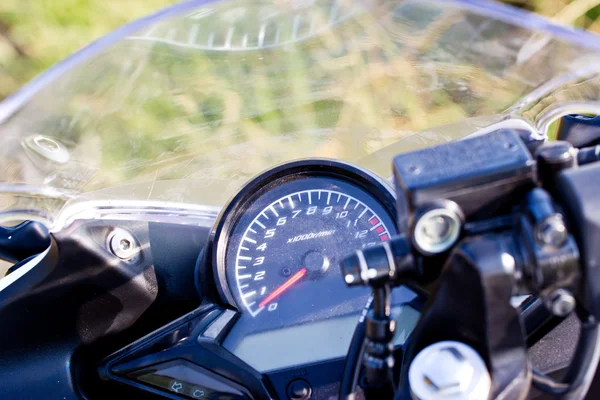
point(35, 34)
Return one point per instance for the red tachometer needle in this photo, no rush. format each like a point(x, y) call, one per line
point(277, 292)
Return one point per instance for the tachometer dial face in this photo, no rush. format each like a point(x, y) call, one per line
point(283, 252)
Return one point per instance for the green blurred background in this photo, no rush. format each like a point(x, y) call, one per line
point(35, 34)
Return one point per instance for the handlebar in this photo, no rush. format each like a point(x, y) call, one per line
point(485, 219)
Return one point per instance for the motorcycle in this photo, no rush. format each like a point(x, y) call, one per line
point(200, 205)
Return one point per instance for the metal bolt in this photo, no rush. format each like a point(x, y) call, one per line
point(122, 244)
point(449, 370)
point(436, 230)
point(552, 231)
point(560, 302)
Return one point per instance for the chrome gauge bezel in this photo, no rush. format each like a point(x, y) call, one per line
point(216, 251)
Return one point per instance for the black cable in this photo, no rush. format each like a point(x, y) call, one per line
point(379, 379)
point(356, 351)
point(382, 306)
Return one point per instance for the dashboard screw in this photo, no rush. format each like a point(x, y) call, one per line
point(122, 244)
point(552, 231)
point(299, 389)
point(560, 302)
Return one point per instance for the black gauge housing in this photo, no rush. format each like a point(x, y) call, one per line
point(380, 190)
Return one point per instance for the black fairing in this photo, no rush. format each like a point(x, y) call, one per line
point(81, 303)
point(579, 194)
point(22, 241)
point(579, 130)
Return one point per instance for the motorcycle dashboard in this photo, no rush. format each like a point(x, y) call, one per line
point(274, 252)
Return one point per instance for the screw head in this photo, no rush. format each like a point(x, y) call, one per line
point(449, 370)
point(122, 244)
point(299, 389)
point(552, 231)
point(436, 230)
point(560, 302)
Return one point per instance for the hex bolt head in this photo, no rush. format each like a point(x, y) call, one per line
point(449, 370)
point(560, 302)
point(122, 244)
point(552, 231)
point(436, 230)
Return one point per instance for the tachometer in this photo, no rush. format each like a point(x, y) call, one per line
point(293, 241)
point(287, 231)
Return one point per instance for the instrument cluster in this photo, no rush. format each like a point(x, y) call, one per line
point(275, 252)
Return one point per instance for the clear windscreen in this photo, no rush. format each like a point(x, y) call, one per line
point(186, 105)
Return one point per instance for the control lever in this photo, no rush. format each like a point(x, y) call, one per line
point(381, 267)
point(486, 219)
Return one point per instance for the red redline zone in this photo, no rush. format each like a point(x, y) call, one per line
point(374, 220)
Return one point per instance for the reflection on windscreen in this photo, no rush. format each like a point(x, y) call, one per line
point(218, 93)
